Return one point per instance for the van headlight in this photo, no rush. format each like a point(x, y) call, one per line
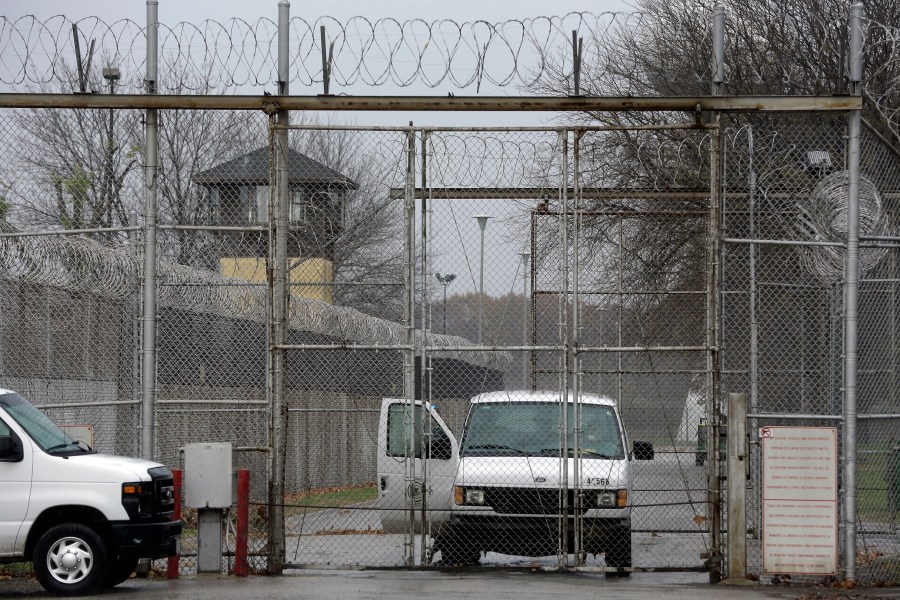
point(468, 496)
point(612, 499)
point(606, 499)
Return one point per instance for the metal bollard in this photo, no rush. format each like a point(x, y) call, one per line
point(174, 562)
point(241, 566)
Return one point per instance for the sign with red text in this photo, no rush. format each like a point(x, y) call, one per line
point(799, 475)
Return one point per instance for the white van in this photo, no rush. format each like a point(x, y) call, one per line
point(83, 519)
point(504, 485)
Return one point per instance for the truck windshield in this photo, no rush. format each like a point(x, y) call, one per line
point(535, 429)
point(39, 427)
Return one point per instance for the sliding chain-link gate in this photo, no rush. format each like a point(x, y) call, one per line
point(553, 274)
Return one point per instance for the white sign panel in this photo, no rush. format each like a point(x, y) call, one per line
point(800, 529)
point(83, 433)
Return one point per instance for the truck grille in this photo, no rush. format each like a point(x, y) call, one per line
point(163, 492)
point(530, 501)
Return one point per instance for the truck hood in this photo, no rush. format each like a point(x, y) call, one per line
point(540, 471)
point(94, 468)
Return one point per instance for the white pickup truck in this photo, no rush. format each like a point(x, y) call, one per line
point(505, 486)
point(83, 519)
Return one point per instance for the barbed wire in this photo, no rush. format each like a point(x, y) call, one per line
point(83, 265)
point(822, 217)
point(238, 53)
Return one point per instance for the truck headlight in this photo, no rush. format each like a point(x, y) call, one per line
point(137, 499)
point(612, 499)
point(606, 499)
point(468, 496)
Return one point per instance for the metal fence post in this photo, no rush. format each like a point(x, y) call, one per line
point(851, 293)
point(737, 489)
point(565, 364)
point(409, 375)
point(148, 316)
point(279, 308)
point(712, 301)
point(576, 359)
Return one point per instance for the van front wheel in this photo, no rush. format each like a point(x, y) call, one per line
point(70, 559)
point(120, 570)
point(619, 554)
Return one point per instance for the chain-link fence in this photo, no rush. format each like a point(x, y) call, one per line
point(561, 276)
point(783, 309)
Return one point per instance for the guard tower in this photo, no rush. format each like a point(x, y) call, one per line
point(237, 193)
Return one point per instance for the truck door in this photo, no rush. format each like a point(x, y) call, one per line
point(417, 460)
point(15, 489)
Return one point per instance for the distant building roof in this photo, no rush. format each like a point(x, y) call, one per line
point(253, 167)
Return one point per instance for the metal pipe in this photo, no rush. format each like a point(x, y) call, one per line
point(782, 242)
point(563, 548)
point(425, 359)
point(409, 391)
point(482, 223)
point(576, 359)
point(271, 104)
point(754, 324)
point(851, 293)
point(525, 256)
point(148, 311)
point(19, 234)
point(712, 312)
point(754, 334)
point(87, 404)
point(812, 417)
point(718, 49)
point(280, 305)
point(643, 348)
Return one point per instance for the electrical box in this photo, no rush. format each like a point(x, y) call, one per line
point(208, 475)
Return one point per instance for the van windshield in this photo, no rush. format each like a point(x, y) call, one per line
point(39, 427)
point(535, 429)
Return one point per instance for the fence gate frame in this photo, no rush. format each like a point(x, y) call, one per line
point(570, 375)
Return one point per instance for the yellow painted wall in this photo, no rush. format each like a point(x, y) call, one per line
point(312, 270)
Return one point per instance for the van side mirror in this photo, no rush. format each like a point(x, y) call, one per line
point(10, 449)
point(643, 450)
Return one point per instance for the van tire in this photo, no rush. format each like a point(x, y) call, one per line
point(455, 553)
point(119, 570)
point(619, 555)
point(70, 559)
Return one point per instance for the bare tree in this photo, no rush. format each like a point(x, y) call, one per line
point(790, 48)
point(367, 248)
point(82, 164)
point(190, 142)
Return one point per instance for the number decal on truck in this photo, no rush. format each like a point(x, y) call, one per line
point(597, 481)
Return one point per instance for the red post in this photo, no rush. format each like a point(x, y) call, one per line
point(174, 561)
point(241, 566)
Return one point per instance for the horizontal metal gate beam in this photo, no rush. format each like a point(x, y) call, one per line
point(272, 104)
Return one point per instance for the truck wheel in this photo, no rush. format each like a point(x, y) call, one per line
point(119, 570)
point(619, 555)
point(70, 559)
point(456, 554)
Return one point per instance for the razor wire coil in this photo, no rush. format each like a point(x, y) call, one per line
point(84, 265)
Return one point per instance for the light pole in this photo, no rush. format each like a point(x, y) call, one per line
point(482, 223)
point(445, 281)
point(110, 74)
point(525, 256)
